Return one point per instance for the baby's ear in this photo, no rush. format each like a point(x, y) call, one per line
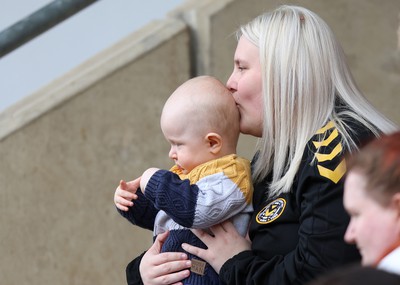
point(214, 141)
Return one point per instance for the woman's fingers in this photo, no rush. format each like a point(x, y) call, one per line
point(168, 273)
point(204, 236)
point(163, 268)
point(197, 251)
point(224, 243)
point(220, 230)
point(223, 229)
point(158, 243)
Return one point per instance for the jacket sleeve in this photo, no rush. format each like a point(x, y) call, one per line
point(142, 213)
point(132, 271)
point(211, 200)
point(322, 224)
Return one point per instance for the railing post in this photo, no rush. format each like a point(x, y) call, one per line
point(39, 22)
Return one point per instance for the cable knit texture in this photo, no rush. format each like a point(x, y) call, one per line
point(209, 194)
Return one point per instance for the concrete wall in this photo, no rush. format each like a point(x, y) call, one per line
point(77, 138)
point(64, 149)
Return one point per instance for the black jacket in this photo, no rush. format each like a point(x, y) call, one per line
point(299, 235)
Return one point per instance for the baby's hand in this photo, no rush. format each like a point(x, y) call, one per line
point(125, 193)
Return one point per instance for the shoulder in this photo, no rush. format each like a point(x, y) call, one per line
point(324, 153)
point(329, 140)
point(326, 149)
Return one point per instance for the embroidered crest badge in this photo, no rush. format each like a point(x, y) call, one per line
point(271, 212)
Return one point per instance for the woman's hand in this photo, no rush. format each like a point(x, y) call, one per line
point(163, 268)
point(225, 243)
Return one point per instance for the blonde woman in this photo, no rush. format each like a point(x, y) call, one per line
point(295, 92)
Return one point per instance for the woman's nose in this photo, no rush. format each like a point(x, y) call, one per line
point(231, 83)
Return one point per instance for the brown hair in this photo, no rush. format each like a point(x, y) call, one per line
point(379, 162)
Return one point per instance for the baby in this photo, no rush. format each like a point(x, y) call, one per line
point(208, 184)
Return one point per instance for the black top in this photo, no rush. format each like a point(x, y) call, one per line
point(299, 235)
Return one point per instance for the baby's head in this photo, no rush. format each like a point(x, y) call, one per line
point(201, 114)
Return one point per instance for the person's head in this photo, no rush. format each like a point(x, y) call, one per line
point(289, 76)
point(356, 275)
point(201, 122)
point(372, 198)
point(292, 56)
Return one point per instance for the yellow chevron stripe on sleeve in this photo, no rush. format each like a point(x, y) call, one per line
point(333, 175)
point(328, 126)
point(329, 156)
point(328, 140)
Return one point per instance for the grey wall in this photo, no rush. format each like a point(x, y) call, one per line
point(59, 170)
point(64, 149)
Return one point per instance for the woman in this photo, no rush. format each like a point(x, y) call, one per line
point(372, 198)
point(295, 93)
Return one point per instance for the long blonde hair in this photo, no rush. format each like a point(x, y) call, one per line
point(304, 74)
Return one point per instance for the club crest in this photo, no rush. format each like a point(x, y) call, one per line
point(271, 212)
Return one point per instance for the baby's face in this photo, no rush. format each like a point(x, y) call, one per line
point(188, 147)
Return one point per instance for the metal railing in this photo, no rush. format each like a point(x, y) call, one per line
point(39, 22)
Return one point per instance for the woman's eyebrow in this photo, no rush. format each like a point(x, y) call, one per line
point(238, 61)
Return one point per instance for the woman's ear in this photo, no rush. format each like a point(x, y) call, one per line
point(214, 141)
